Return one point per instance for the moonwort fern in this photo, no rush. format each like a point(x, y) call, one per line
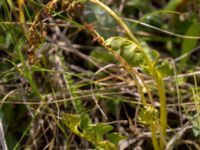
point(135, 56)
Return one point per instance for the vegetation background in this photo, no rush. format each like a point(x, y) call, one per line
point(72, 76)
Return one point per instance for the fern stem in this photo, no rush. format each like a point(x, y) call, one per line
point(154, 137)
point(162, 97)
point(163, 111)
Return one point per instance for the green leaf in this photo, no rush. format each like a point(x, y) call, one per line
point(106, 145)
point(189, 44)
point(172, 4)
point(100, 129)
point(97, 130)
point(132, 56)
point(115, 137)
point(117, 42)
point(72, 122)
point(127, 49)
point(84, 122)
point(91, 132)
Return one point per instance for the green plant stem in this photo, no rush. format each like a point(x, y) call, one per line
point(163, 111)
point(154, 136)
point(162, 97)
point(118, 20)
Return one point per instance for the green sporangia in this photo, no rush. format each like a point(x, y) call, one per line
point(148, 115)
